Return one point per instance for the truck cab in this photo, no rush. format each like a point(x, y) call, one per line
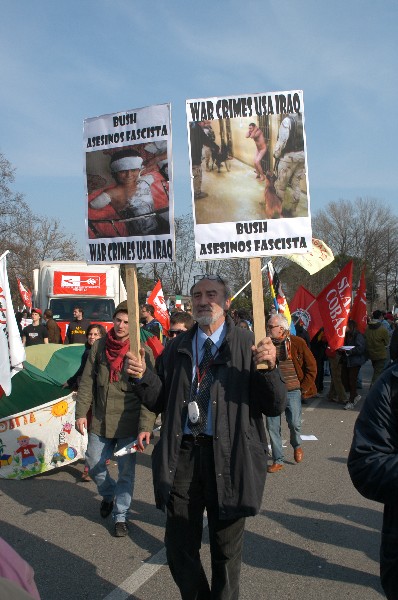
point(61, 285)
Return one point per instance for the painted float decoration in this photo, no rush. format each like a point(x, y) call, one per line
point(41, 437)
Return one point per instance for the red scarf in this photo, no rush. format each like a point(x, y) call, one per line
point(115, 351)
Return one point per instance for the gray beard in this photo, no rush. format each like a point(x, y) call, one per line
point(208, 320)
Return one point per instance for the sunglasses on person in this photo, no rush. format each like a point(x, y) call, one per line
point(173, 332)
point(210, 277)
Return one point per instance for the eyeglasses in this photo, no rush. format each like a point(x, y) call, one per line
point(173, 332)
point(273, 326)
point(210, 277)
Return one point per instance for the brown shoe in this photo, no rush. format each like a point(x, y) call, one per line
point(298, 454)
point(274, 468)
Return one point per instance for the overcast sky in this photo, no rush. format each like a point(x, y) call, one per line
point(62, 62)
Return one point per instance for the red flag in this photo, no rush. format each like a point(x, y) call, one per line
point(334, 303)
point(152, 342)
point(156, 299)
point(26, 295)
point(304, 307)
point(358, 312)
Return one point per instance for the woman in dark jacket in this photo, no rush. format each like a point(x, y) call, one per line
point(351, 362)
point(93, 333)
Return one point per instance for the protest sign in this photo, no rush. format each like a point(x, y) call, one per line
point(129, 187)
point(319, 257)
point(249, 175)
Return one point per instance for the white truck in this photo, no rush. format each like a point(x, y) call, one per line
point(62, 285)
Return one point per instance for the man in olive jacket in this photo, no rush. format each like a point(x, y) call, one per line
point(219, 461)
point(117, 417)
point(377, 340)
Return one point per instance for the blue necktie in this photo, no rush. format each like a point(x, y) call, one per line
point(202, 395)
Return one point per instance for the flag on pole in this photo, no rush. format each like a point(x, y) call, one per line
point(26, 295)
point(358, 311)
point(152, 341)
point(304, 307)
point(277, 294)
point(314, 261)
point(156, 299)
point(12, 352)
point(334, 303)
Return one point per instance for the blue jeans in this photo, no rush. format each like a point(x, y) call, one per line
point(99, 450)
point(293, 418)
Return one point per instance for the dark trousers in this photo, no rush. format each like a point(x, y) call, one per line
point(195, 489)
point(349, 376)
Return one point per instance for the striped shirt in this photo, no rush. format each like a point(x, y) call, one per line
point(285, 364)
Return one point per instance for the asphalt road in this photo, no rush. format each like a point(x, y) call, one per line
point(315, 537)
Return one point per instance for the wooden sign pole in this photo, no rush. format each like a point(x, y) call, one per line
point(258, 303)
point(133, 309)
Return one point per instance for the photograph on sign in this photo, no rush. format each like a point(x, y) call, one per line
point(129, 186)
point(249, 175)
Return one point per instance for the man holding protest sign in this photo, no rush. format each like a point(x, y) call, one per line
point(212, 451)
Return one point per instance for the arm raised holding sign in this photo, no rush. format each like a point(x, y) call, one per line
point(212, 401)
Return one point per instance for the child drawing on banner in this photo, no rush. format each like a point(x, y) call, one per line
point(25, 450)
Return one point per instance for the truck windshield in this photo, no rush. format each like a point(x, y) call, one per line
point(94, 309)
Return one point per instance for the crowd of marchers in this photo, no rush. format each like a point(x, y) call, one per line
point(216, 394)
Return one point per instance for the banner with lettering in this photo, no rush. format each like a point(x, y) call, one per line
point(249, 176)
point(129, 203)
point(334, 304)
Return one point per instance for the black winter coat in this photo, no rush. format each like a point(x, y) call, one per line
point(373, 467)
point(240, 395)
point(356, 356)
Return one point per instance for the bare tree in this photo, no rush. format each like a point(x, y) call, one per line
point(29, 237)
point(12, 205)
point(367, 231)
point(38, 238)
point(177, 276)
